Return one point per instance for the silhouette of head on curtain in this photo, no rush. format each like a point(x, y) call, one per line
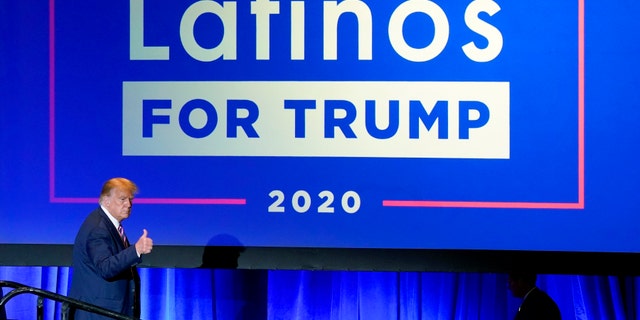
point(222, 252)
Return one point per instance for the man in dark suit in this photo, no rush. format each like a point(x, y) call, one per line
point(104, 272)
point(536, 304)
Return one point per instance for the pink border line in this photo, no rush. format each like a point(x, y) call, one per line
point(52, 141)
point(529, 205)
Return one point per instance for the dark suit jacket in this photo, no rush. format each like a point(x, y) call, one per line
point(538, 306)
point(104, 272)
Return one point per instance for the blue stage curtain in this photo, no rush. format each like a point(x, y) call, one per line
point(339, 295)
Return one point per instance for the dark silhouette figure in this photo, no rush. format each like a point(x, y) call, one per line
point(536, 304)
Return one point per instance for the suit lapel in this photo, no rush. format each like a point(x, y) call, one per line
point(112, 229)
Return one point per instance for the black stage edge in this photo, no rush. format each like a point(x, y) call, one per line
point(275, 258)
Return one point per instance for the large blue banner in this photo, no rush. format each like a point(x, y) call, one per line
point(357, 124)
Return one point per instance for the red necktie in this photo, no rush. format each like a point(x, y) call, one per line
point(124, 238)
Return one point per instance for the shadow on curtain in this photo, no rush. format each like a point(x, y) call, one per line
point(339, 295)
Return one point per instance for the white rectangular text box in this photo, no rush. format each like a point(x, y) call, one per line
point(316, 119)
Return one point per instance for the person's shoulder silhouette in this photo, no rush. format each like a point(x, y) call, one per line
point(536, 304)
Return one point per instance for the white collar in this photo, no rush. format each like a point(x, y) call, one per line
point(527, 294)
point(113, 220)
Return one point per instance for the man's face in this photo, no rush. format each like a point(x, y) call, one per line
point(119, 203)
point(516, 287)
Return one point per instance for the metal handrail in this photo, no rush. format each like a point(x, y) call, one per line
point(68, 304)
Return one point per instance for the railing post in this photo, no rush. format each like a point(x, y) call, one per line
point(3, 312)
point(40, 309)
point(65, 311)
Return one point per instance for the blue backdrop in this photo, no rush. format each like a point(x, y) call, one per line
point(525, 146)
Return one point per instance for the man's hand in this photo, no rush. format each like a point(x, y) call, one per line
point(144, 244)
